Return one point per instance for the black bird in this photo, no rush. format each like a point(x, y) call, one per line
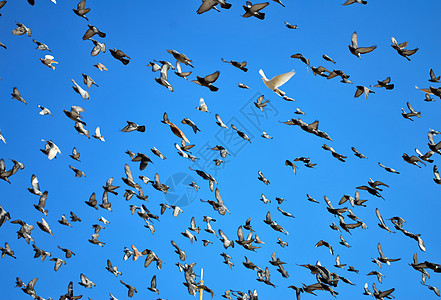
point(132, 289)
point(370, 190)
point(254, 10)
point(81, 9)
point(401, 49)
point(131, 126)
point(92, 31)
point(208, 81)
point(239, 65)
point(433, 78)
point(120, 55)
point(357, 153)
point(385, 83)
point(413, 160)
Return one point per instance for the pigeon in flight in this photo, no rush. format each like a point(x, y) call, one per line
point(357, 51)
point(276, 81)
point(253, 10)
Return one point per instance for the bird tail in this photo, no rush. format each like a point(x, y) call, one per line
point(141, 128)
point(260, 15)
point(226, 5)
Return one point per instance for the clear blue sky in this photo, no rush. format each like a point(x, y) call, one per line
point(144, 30)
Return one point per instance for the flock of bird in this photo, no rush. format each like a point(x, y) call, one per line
point(325, 279)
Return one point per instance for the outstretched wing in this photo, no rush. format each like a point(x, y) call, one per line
point(206, 6)
point(258, 6)
point(212, 77)
point(354, 40)
point(363, 50)
point(218, 197)
point(281, 79)
point(380, 251)
point(410, 107)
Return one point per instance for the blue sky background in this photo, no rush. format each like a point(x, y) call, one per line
point(144, 30)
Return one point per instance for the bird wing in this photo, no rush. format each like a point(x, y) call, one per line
point(387, 80)
point(268, 216)
point(53, 151)
point(178, 67)
point(377, 212)
point(174, 245)
point(409, 52)
point(410, 107)
point(428, 91)
point(212, 77)
point(34, 182)
point(263, 75)
point(2, 165)
point(109, 181)
point(281, 79)
point(105, 198)
point(240, 233)
point(354, 40)
point(128, 172)
point(157, 181)
point(260, 99)
point(258, 6)
point(32, 283)
point(394, 42)
point(164, 69)
point(81, 5)
point(363, 50)
point(436, 173)
point(206, 6)
point(380, 251)
point(16, 92)
point(218, 197)
point(77, 109)
point(348, 2)
point(193, 223)
point(153, 282)
point(165, 118)
point(403, 44)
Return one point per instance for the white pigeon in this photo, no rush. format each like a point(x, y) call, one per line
point(202, 106)
point(84, 94)
point(102, 219)
point(98, 135)
point(277, 81)
point(50, 149)
point(44, 111)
